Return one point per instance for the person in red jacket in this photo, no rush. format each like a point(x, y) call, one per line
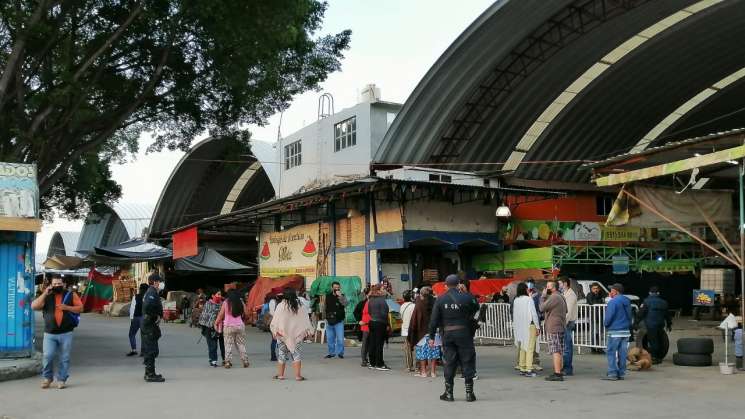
point(365, 328)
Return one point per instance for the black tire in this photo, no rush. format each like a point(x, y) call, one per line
point(665, 344)
point(689, 360)
point(696, 346)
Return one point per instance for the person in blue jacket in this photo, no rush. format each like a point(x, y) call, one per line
point(618, 327)
point(656, 317)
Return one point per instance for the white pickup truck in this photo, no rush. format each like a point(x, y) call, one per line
point(585, 285)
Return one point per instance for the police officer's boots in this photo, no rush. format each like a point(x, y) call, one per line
point(470, 396)
point(447, 396)
point(152, 377)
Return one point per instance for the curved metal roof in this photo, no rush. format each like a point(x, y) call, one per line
point(63, 243)
point(507, 72)
point(216, 174)
point(119, 223)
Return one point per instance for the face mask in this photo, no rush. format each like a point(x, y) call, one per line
point(58, 289)
point(161, 286)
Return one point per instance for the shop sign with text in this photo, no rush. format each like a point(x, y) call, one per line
point(290, 252)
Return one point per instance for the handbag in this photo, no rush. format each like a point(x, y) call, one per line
point(209, 315)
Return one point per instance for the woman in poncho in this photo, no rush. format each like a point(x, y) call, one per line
point(290, 325)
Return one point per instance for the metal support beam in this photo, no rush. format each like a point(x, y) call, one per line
point(717, 157)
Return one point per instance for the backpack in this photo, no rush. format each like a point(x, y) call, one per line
point(209, 315)
point(73, 317)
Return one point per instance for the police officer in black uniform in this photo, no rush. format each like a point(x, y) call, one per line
point(152, 310)
point(453, 314)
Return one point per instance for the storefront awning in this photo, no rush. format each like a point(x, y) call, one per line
point(61, 262)
point(430, 242)
point(209, 260)
point(479, 244)
point(131, 251)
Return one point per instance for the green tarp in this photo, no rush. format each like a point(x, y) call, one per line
point(538, 258)
point(351, 286)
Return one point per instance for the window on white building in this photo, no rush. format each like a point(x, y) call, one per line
point(345, 134)
point(390, 116)
point(293, 154)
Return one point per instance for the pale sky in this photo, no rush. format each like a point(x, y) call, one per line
point(394, 43)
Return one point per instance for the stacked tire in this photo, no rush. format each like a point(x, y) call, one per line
point(694, 352)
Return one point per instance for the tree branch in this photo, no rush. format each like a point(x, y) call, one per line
point(106, 45)
point(18, 48)
point(49, 179)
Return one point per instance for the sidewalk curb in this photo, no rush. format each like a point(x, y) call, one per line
point(23, 368)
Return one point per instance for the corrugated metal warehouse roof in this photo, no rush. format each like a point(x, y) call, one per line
point(535, 88)
point(122, 222)
point(63, 243)
point(215, 176)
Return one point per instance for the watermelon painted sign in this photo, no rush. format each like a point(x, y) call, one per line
point(290, 252)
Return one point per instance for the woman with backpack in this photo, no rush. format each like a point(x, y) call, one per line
point(230, 323)
point(290, 325)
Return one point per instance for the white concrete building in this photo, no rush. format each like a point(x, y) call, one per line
point(337, 147)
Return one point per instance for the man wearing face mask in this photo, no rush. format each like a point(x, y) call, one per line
point(57, 305)
point(152, 311)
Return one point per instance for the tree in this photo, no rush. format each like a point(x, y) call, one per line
point(80, 80)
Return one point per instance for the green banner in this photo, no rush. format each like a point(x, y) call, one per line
point(673, 265)
point(538, 258)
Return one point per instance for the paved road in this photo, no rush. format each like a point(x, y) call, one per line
point(105, 384)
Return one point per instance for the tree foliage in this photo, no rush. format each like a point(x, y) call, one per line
point(80, 80)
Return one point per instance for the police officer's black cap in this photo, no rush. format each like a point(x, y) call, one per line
point(452, 280)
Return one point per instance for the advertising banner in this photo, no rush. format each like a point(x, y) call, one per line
point(538, 258)
point(587, 231)
point(672, 265)
point(703, 298)
point(19, 190)
point(290, 252)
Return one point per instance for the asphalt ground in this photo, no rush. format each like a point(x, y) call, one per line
point(106, 384)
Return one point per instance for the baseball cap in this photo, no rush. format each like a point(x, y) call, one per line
point(452, 279)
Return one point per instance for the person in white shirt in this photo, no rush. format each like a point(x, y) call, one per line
point(570, 297)
point(273, 306)
point(407, 308)
point(526, 328)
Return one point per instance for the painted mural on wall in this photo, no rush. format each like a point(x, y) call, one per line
point(16, 317)
point(19, 191)
point(569, 231)
point(290, 252)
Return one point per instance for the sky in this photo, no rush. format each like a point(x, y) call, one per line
point(394, 43)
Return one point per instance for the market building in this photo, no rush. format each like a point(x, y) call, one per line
point(337, 216)
point(571, 83)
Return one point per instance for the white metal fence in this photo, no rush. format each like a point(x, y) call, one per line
point(589, 332)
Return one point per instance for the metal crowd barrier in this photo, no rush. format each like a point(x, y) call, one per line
point(589, 332)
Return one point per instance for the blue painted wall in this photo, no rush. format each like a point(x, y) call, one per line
point(16, 294)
